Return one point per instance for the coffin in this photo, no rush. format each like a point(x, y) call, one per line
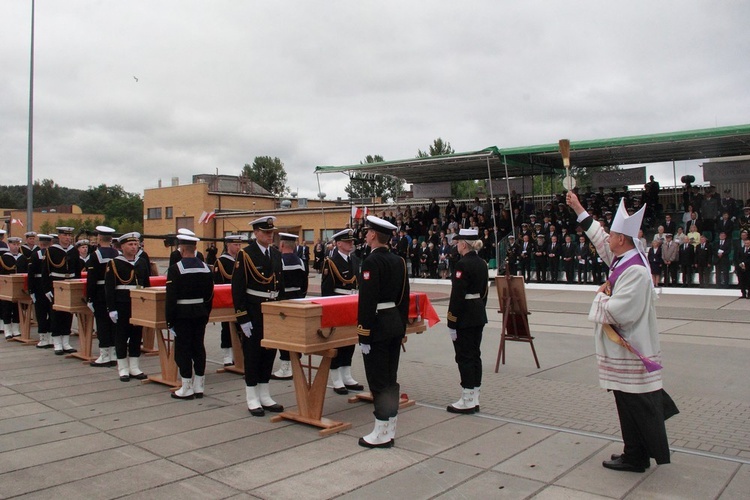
point(148, 306)
point(70, 296)
point(316, 324)
point(13, 287)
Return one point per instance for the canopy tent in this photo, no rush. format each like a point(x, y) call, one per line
point(546, 159)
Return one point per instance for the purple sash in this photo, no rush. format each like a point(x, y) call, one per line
point(615, 273)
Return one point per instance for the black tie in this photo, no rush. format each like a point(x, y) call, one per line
point(268, 254)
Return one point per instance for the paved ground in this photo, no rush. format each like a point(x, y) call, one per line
point(68, 429)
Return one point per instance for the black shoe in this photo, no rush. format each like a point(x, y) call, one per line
point(274, 408)
point(140, 376)
point(365, 444)
point(355, 387)
point(341, 390)
point(113, 363)
point(274, 377)
point(70, 351)
point(174, 395)
point(59, 353)
point(198, 395)
point(617, 456)
point(100, 365)
point(124, 378)
point(620, 465)
point(257, 412)
point(231, 364)
point(463, 411)
point(48, 346)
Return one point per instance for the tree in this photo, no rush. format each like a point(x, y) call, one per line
point(459, 189)
point(373, 185)
point(267, 172)
point(438, 148)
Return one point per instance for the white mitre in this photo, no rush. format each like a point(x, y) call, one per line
point(629, 225)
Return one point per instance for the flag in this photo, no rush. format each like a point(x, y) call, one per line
point(17, 221)
point(209, 217)
point(202, 218)
point(356, 213)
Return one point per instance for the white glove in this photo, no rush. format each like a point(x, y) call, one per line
point(365, 348)
point(90, 305)
point(453, 334)
point(173, 333)
point(49, 296)
point(33, 298)
point(247, 329)
point(113, 316)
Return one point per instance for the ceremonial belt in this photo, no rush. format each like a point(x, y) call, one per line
point(60, 275)
point(266, 295)
point(385, 305)
point(344, 291)
point(100, 282)
point(470, 296)
point(293, 289)
point(126, 287)
point(189, 301)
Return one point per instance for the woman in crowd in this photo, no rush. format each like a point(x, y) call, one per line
point(655, 261)
point(694, 237)
point(318, 256)
point(444, 259)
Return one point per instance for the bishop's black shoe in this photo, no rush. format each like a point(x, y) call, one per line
point(620, 465)
point(617, 456)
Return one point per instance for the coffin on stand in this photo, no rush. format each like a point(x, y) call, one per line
point(14, 288)
point(70, 296)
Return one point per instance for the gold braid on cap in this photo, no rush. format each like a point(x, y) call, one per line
point(257, 275)
point(337, 274)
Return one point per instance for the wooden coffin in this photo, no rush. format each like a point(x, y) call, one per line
point(148, 306)
point(70, 296)
point(13, 287)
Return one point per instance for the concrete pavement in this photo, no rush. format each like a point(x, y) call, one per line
point(69, 429)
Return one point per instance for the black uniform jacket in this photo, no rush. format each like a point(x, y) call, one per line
point(223, 268)
point(59, 264)
point(95, 271)
point(122, 276)
point(295, 277)
point(190, 291)
point(384, 280)
point(339, 275)
point(13, 264)
point(36, 261)
point(470, 277)
point(254, 272)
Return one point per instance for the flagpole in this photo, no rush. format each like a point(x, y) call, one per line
point(30, 179)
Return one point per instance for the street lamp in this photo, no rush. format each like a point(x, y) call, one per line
point(30, 179)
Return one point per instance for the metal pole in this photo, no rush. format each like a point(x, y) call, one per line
point(674, 181)
point(494, 218)
point(30, 178)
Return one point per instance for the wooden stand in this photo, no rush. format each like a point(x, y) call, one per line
point(148, 311)
point(13, 289)
point(70, 297)
point(239, 358)
point(148, 345)
point(366, 397)
point(511, 293)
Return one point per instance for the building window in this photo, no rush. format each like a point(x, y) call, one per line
point(308, 235)
point(169, 213)
point(154, 213)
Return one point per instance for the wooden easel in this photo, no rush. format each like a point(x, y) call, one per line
point(511, 293)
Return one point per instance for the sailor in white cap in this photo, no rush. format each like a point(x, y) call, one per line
point(340, 278)
point(626, 302)
point(222, 271)
point(257, 278)
point(467, 317)
point(42, 305)
point(190, 291)
point(382, 316)
point(124, 273)
point(175, 256)
point(96, 298)
point(30, 246)
point(61, 262)
point(11, 262)
point(295, 287)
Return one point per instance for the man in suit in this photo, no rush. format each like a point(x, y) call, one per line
point(553, 258)
point(568, 252)
point(540, 259)
point(670, 254)
point(303, 252)
point(725, 225)
point(703, 256)
point(687, 260)
point(525, 253)
point(722, 260)
point(511, 255)
point(669, 225)
point(583, 256)
point(257, 278)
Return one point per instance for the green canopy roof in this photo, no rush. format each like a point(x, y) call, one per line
point(533, 160)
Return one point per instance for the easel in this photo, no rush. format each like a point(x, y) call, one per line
point(511, 293)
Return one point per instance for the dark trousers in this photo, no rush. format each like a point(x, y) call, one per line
point(127, 337)
point(541, 271)
point(469, 356)
point(744, 280)
point(525, 268)
point(189, 350)
point(105, 329)
point(42, 309)
point(582, 273)
point(569, 271)
point(9, 311)
point(642, 419)
point(226, 335)
point(60, 322)
point(670, 273)
point(381, 368)
point(284, 355)
point(343, 357)
point(704, 275)
point(687, 275)
point(722, 273)
point(258, 359)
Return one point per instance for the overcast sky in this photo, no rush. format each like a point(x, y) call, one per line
point(220, 82)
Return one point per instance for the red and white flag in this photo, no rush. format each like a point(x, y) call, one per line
point(209, 217)
point(202, 218)
point(17, 221)
point(356, 213)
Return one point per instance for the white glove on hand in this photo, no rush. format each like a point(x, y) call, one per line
point(365, 348)
point(113, 316)
point(173, 333)
point(49, 296)
point(33, 298)
point(453, 334)
point(90, 305)
point(247, 329)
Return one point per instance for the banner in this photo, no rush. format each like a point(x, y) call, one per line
point(432, 190)
point(726, 171)
point(619, 178)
